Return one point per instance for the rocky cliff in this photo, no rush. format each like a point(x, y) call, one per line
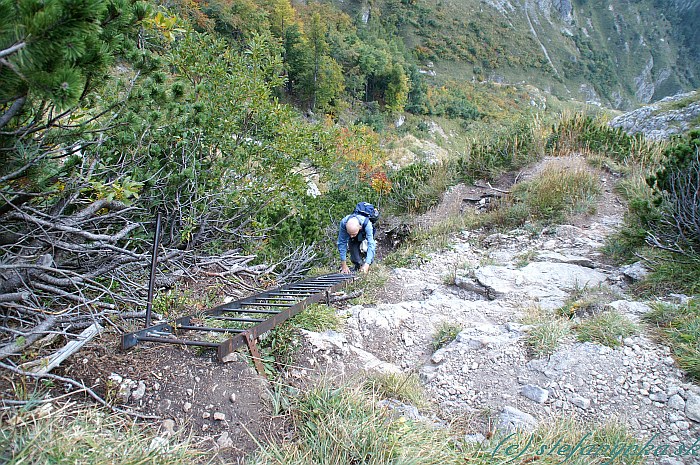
point(671, 115)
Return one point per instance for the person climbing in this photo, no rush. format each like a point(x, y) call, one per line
point(356, 235)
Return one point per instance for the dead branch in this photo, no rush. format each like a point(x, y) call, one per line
point(27, 338)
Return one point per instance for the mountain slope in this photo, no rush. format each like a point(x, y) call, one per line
point(616, 53)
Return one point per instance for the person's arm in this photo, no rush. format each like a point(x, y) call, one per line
point(343, 238)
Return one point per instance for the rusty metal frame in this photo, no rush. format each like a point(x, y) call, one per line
point(280, 304)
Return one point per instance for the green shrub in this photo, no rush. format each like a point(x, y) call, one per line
point(419, 186)
point(507, 149)
point(583, 133)
point(676, 185)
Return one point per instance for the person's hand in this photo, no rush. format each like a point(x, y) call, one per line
point(344, 268)
point(365, 268)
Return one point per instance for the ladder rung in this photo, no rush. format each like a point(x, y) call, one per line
point(244, 320)
point(262, 304)
point(207, 329)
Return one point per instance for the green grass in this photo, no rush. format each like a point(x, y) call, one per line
point(85, 437)
point(343, 425)
point(339, 426)
point(371, 284)
point(587, 301)
point(607, 328)
point(405, 387)
point(679, 326)
point(445, 333)
point(546, 335)
point(317, 317)
point(670, 273)
point(559, 190)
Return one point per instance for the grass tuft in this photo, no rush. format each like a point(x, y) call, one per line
point(445, 333)
point(679, 326)
point(546, 336)
point(404, 387)
point(83, 437)
point(587, 301)
point(317, 317)
point(559, 190)
point(607, 328)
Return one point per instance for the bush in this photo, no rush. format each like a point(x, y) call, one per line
point(582, 133)
point(419, 186)
point(676, 185)
point(508, 149)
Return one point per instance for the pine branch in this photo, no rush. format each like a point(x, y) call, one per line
point(12, 111)
point(13, 49)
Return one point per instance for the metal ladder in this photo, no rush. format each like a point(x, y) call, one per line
point(256, 315)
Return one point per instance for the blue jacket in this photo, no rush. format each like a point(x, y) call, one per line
point(344, 238)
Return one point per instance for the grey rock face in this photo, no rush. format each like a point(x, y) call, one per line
point(657, 124)
point(636, 271)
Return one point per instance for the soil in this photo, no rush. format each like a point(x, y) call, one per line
point(187, 387)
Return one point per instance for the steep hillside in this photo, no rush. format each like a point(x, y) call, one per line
point(615, 53)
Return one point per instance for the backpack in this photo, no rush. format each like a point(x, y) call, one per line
point(368, 211)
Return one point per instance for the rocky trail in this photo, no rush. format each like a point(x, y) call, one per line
point(487, 284)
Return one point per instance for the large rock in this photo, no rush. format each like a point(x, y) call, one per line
point(549, 283)
point(385, 317)
point(635, 272)
point(486, 335)
point(371, 363)
point(564, 276)
point(630, 307)
point(329, 341)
